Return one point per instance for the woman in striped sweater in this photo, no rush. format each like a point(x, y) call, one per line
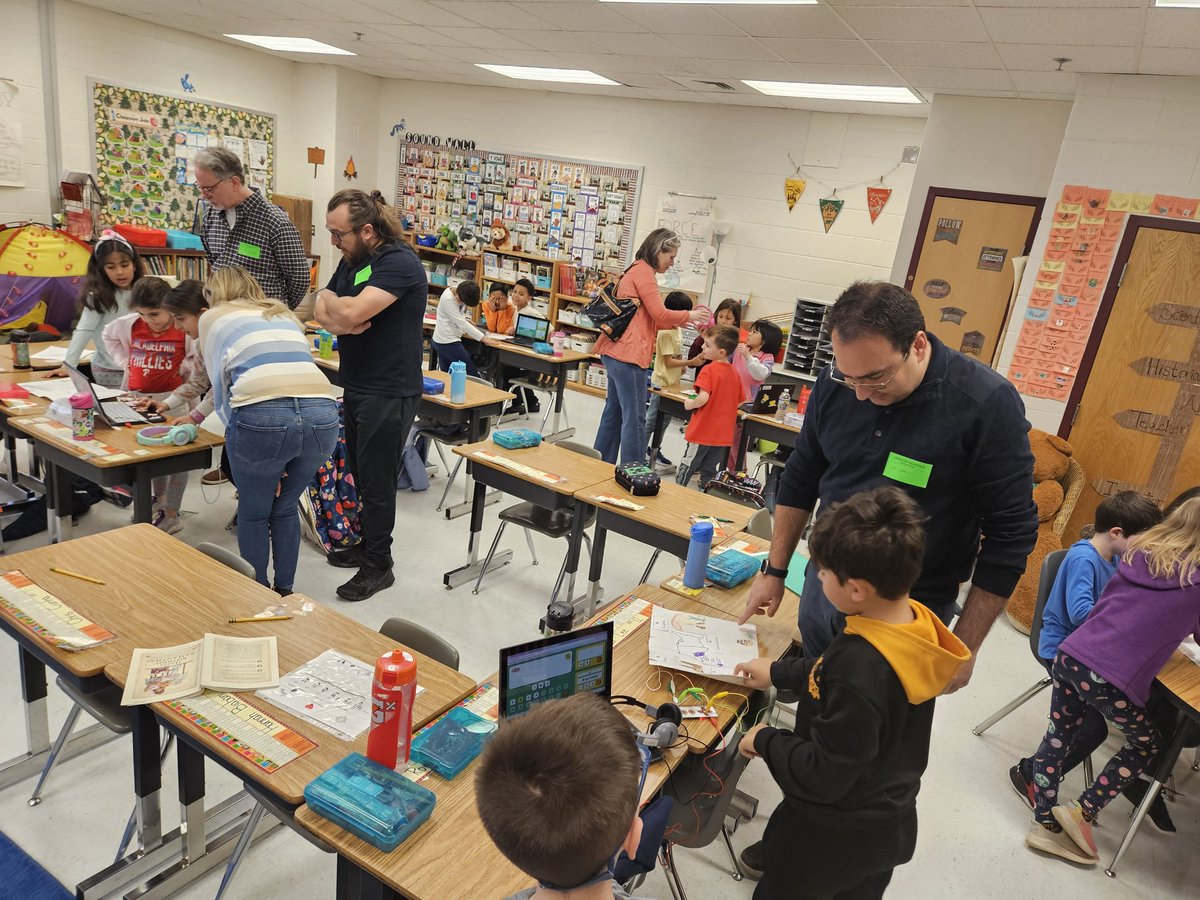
point(281, 421)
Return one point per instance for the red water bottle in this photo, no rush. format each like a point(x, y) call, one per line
point(392, 694)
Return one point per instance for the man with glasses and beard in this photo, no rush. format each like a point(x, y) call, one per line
point(375, 302)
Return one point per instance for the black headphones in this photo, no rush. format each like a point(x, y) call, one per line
point(664, 732)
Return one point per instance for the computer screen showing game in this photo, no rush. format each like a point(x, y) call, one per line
point(556, 667)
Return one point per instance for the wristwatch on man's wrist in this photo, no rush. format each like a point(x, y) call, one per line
point(771, 571)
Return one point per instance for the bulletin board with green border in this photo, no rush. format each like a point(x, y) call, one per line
point(145, 143)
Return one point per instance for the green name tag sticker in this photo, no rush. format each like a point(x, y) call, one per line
point(362, 275)
point(252, 251)
point(907, 471)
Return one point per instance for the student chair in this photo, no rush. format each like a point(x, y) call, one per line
point(227, 558)
point(411, 635)
point(439, 439)
point(553, 523)
point(1050, 567)
point(529, 385)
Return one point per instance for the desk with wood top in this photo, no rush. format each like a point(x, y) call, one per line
point(664, 522)
point(519, 356)
point(570, 471)
point(758, 426)
point(451, 855)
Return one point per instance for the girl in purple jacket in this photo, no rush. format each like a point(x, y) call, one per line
point(1109, 663)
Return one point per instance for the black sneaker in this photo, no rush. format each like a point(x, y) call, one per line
point(349, 558)
point(753, 861)
point(1022, 785)
point(366, 583)
point(1157, 813)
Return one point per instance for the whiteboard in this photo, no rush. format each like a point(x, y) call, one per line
point(692, 219)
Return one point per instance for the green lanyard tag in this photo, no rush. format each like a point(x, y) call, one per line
point(907, 471)
point(251, 251)
point(362, 275)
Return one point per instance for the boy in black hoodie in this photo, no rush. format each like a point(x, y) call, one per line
point(851, 770)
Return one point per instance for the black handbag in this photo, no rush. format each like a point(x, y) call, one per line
point(610, 313)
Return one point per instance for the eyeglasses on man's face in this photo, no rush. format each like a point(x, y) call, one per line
point(207, 190)
point(338, 235)
point(856, 384)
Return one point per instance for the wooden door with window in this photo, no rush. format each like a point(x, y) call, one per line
point(962, 271)
point(1132, 416)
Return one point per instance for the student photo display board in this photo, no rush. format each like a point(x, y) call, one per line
point(557, 208)
point(146, 144)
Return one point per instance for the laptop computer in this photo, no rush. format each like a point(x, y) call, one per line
point(115, 412)
point(531, 329)
point(766, 398)
point(555, 667)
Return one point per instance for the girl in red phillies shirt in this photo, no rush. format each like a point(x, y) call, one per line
point(158, 357)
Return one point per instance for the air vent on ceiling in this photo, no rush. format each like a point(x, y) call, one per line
point(719, 85)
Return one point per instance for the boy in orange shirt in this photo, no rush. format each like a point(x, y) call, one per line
point(718, 392)
point(498, 312)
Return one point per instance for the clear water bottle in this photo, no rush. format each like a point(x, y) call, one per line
point(458, 381)
point(785, 400)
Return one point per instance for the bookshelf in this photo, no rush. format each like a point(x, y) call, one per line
point(448, 268)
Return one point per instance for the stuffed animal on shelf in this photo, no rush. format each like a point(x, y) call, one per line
point(1051, 462)
point(501, 239)
point(467, 241)
point(447, 239)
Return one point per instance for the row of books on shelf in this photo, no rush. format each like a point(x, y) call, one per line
point(181, 267)
point(507, 268)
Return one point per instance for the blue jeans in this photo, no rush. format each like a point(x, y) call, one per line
point(265, 441)
point(448, 353)
point(622, 424)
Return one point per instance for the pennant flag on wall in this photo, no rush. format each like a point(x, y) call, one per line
point(829, 212)
point(877, 198)
point(793, 188)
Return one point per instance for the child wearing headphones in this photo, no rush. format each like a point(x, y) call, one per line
point(557, 790)
point(851, 770)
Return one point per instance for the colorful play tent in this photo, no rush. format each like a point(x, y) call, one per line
point(41, 271)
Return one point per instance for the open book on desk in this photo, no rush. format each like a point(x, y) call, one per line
point(216, 662)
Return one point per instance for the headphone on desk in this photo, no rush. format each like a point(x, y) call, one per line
point(664, 731)
point(177, 435)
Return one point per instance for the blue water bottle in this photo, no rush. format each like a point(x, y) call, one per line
point(458, 381)
point(697, 558)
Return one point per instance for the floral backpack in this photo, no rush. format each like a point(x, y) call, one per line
point(330, 506)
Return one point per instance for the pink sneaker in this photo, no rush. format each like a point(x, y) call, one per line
point(1070, 817)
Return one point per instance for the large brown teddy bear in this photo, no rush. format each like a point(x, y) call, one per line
point(1051, 458)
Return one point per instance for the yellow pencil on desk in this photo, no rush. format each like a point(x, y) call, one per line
point(243, 619)
point(76, 575)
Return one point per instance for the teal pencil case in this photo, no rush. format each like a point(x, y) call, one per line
point(731, 568)
point(449, 744)
point(516, 438)
point(374, 803)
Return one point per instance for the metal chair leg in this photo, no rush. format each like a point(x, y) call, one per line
point(737, 867)
point(449, 483)
point(649, 566)
point(1087, 772)
point(488, 559)
point(672, 873)
point(529, 541)
point(239, 851)
point(72, 717)
point(1005, 710)
point(130, 825)
point(1196, 761)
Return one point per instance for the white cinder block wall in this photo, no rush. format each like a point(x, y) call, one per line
point(1138, 133)
point(739, 154)
point(21, 61)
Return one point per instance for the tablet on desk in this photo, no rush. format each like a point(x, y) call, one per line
point(556, 667)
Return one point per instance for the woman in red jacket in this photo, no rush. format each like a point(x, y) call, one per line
point(622, 425)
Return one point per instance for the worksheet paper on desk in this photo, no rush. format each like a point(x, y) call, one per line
point(59, 354)
point(332, 691)
point(61, 388)
point(1191, 650)
point(703, 645)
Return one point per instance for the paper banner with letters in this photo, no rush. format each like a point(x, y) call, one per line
point(877, 198)
point(830, 209)
point(793, 190)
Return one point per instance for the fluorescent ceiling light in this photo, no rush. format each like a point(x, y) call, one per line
point(536, 73)
point(289, 44)
point(869, 93)
point(728, 2)
point(1179, 4)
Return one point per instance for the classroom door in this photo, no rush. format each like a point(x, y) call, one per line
point(962, 271)
point(1132, 421)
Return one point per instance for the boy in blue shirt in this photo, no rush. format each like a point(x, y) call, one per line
point(1081, 578)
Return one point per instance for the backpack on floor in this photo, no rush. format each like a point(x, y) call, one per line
point(329, 508)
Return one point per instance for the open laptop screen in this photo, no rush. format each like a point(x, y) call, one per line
point(532, 327)
point(556, 667)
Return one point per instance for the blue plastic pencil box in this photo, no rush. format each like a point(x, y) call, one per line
point(730, 568)
point(516, 438)
point(432, 386)
point(449, 744)
point(374, 803)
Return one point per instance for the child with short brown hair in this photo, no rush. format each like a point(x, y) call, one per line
point(718, 392)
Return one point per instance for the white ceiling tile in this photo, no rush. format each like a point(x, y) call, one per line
point(838, 4)
point(642, 80)
point(949, 80)
point(1033, 57)
point(731, 70)
point(489, 13)
point(344, 9)
point(1045, 82)
point(675, 19)
point(628, 44)
point(1169, 61)
point(726, 47)
point(615, 62)
point(413, 34)
point(479, 37)
point(416, 12)
point(799, 50)
point(541, 38)
point(907, 23)
point(826, 74)
point(1069, 4)
point(679, 65)
point(1109, 27)
point(575, 16)
point(939, 54)
point(1172, 28)
point(812, 22)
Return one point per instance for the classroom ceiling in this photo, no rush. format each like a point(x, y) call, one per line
point(674, 52)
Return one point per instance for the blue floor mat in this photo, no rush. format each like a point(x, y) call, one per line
point(23, 878)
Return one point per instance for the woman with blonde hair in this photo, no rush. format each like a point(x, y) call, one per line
point(281, 421)
point(1109, 663)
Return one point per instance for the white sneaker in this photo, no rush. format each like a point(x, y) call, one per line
point(1058, 843)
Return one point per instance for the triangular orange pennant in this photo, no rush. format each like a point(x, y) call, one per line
point(877, 198)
